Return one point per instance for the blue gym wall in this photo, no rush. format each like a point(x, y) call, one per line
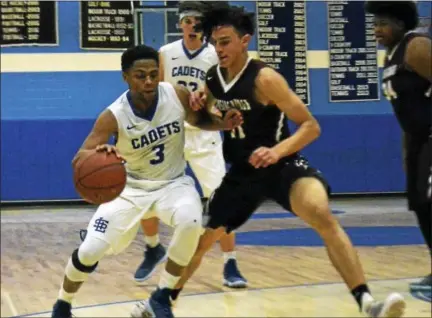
point(47, 114)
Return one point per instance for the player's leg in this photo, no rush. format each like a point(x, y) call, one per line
point(233, 278)
point(419, 179)
point(105, 233)
point(179, 207)
point(204, 154)
point(306, 194)
point(231, 205)
point(154, 253)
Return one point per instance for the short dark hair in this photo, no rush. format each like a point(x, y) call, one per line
point(192, 6)
point(220, 13)
point(405, 11)
point(138, 52)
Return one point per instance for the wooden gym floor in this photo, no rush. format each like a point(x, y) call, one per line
point(284, 261)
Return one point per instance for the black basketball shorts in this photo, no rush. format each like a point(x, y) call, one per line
point(243, 189)
point(419, 172)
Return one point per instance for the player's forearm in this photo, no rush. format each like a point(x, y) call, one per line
point(305, 134)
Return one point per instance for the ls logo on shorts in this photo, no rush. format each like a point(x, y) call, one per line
point(100, 225)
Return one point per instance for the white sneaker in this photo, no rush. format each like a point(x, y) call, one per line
point(393, 306)
point(142, 309)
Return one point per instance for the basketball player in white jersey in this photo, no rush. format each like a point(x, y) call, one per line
point(148, 123)
point(185, 62)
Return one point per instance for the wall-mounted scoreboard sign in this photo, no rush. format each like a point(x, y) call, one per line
point(353, 70)
point(107, 25)
point(282, 41)
point(28, 23)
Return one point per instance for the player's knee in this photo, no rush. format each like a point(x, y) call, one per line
point(321, 219)
point(326, 223)
point(75, 270)
point(90, 252)
point(184, 242)
point(189, 218)
point(190, 230)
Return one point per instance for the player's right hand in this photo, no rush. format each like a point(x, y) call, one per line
point(232, 119)
point(197, 100)
point(110, 149)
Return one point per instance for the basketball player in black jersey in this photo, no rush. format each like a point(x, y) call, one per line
point(407, 79)
point(264, 156)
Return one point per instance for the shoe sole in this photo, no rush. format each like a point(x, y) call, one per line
point(396, 308)
point(149, 313)
point(141, 280)
point(236, 284)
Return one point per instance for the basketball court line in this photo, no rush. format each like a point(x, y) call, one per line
point(222, 292)
point(9, 302)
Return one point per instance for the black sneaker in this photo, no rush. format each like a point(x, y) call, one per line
point(232, 276)
point(62, 309)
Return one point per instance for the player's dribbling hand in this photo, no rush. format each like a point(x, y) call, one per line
point(263, 157)
point(110, 149)
point(197, 100)
point(232, 119)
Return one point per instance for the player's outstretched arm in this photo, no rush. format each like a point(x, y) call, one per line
point(204, 118)
point(104, 127)
point(272, 88)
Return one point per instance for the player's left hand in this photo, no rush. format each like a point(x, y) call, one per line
point(197, 100)
point(263, 157)
point(232, 119)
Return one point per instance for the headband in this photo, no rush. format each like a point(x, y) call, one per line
point(190, 13)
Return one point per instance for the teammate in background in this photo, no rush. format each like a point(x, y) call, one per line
point(148, 121)
point(185, 62)
point(265, 159)
point(407, 83)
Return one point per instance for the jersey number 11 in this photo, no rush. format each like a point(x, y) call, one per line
point(238, 133)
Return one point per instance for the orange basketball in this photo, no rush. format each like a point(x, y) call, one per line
point(99, 177)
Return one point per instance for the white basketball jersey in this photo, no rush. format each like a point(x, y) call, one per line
point(152, 146)
point(182, 67)
point(186, 68)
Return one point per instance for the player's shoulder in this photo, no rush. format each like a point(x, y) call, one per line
point(173, 95)
point(415, 35)
point(171, 46)
point(211, 72)
point(120, 102)
point(168, 89)
point(210, 48)
point(262, 69)
point(166, 86)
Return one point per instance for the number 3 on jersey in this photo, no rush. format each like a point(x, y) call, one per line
point(159, 153)
point(193, 85)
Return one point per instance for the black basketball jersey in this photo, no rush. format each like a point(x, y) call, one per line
point(263, 125)
point(408, 92)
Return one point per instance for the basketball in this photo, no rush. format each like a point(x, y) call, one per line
point(99, 177)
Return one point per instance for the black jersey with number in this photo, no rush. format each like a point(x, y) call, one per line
point(408, 92)
point(263, 126)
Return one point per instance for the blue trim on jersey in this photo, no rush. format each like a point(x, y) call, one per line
point(149, 113)
point(196, 53)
